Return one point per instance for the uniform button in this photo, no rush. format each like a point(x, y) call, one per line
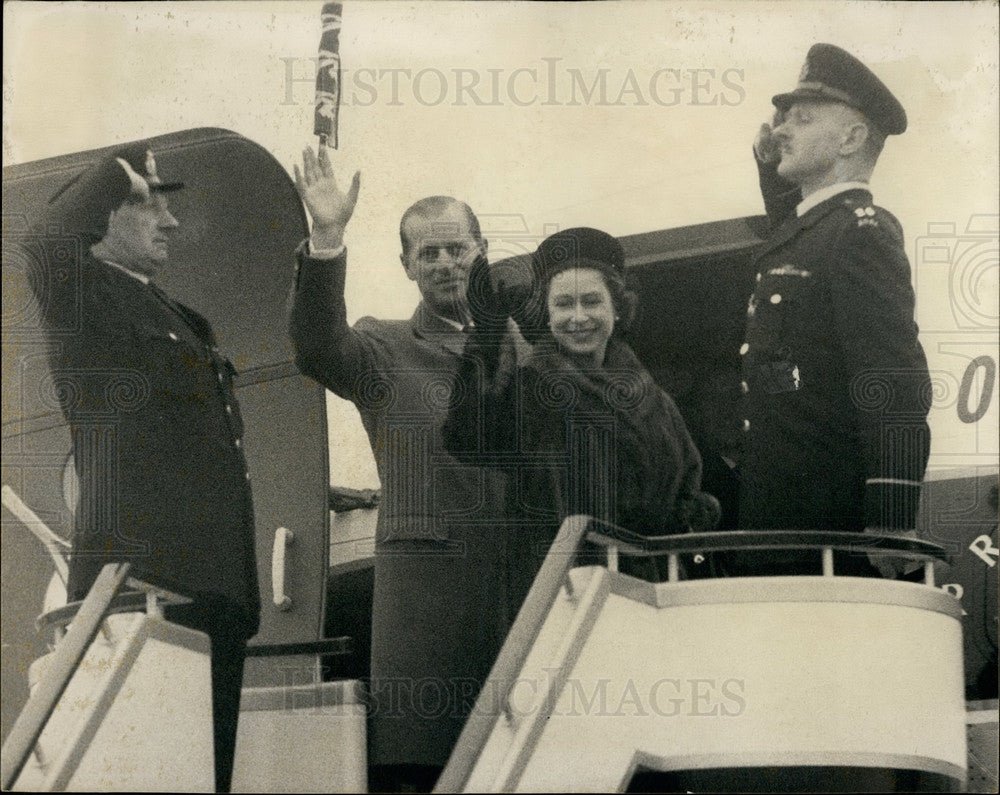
point(744, 386)
point(238, 443)
point(220, 377)
point(248, 476)
point(744, 348)
point(746, 425)
point(174, 337)
point(776, 298)
point(758, 277)
point(229, 409)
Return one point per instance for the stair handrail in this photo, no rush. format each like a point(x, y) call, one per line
point(65, 660)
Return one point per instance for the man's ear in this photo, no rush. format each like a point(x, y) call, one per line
point(410, 274)
point(110, 227)
point(854, 138)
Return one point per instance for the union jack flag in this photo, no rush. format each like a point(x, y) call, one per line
point(328, 77)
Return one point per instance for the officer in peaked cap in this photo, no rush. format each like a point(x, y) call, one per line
point(834, 379)
point(165, 486)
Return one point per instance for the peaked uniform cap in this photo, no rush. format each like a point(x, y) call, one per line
point(831, 74)
point(84, 203)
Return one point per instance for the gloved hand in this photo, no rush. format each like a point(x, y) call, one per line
point(485, 298)
point(890, 566)
point(766, 147)
point(700, 513)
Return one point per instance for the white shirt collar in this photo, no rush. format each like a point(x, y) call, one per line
point(450, 322)
point(128, 271)
point(823, 194)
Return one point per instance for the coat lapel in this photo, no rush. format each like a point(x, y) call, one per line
point(429, 326)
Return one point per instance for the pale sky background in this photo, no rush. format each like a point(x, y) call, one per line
point(79, 76)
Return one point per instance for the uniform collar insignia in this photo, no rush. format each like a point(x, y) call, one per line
point(789, 270)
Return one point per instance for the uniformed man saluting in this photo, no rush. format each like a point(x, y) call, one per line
point(156, 429)
point(835, 382)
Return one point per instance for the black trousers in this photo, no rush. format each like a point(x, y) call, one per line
point(226, 628)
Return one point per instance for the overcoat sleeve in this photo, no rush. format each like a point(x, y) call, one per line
point(696, 510)
point(873, 307)
point(690, 478)
point(481, 425)
point(326, 348)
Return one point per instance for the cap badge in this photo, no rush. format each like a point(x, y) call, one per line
point(151, 174)
point(139, 185)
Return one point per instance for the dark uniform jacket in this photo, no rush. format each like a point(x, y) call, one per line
point(835, 381)
point(156, 441)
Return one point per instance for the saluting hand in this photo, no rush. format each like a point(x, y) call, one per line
point(766, 146)
point(329, 206)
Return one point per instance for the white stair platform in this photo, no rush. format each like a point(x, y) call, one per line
point(727, 674)
point(135, 717)
point(303, 738)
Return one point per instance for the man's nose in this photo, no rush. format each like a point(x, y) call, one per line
point(167, 220)
point(440, 267)
point(449, 261)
